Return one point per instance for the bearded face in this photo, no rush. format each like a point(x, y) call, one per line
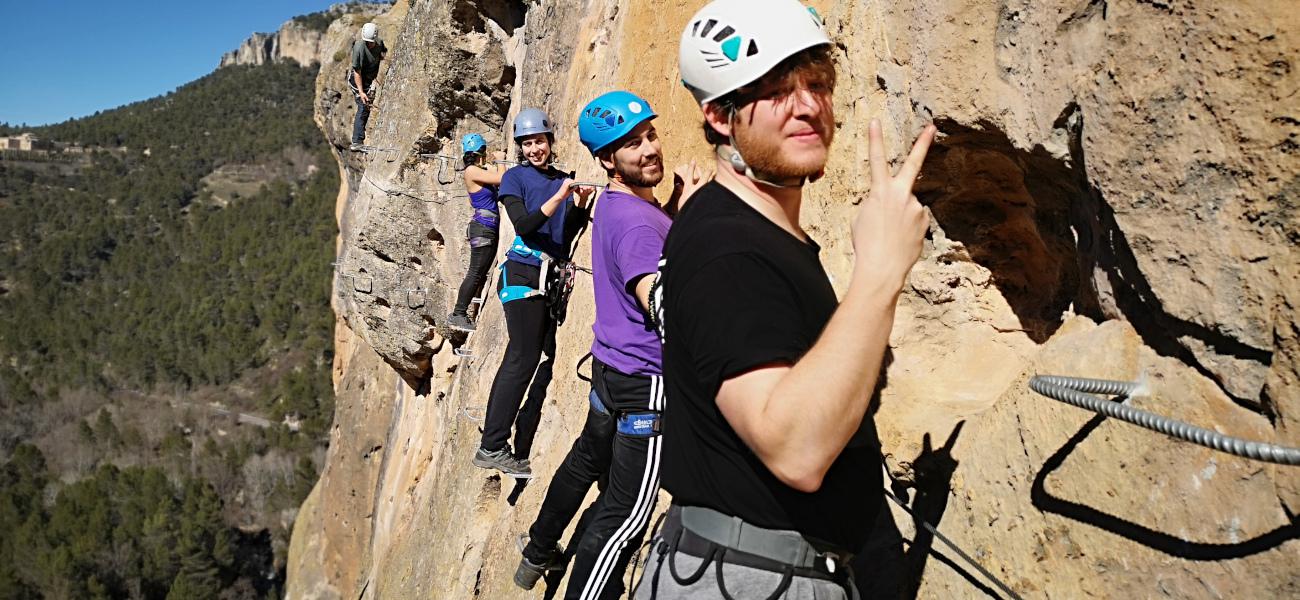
point(637, 160)
point(787, 135)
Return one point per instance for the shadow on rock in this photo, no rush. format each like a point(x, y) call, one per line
point(1156, 540)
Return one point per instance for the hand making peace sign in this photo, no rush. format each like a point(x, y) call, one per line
point(890, 223)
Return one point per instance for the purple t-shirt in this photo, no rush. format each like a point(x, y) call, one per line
point(627, 237)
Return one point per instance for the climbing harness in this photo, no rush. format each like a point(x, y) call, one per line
point(637, 557)
point(577, 369)
point(563, 276)
point(717, 538)
point(487, 215)
point(641, 424)
point(629, 423)
point(1079, 392)
point(510, 293)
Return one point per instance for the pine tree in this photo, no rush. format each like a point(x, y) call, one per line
point(204, 545)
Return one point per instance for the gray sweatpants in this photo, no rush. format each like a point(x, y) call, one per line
point(743, 583)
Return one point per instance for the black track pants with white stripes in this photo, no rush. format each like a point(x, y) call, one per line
point(616, 524)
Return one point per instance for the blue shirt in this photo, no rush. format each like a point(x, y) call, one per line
point(535, 187)
point(485, 199)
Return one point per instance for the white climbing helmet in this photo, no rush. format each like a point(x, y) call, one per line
point(731, 43)
point(369, 32)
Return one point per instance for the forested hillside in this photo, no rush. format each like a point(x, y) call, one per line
point(142, 309)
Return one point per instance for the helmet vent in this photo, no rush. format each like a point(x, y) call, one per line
point(722, 35)
point(753, 48)
point(708, 26)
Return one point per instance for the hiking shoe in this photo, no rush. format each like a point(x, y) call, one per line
point(355, 147)
point(503, 460)
point(460, 322)
point(528, 572)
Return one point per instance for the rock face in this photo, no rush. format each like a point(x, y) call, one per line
point(1114, 195)
point(295, 40)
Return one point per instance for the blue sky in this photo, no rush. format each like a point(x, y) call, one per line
point(70, 58)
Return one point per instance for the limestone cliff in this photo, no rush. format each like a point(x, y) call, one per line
point(1114, 194)
point(296, 40)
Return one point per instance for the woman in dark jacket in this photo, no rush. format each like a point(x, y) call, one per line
point(546, 217)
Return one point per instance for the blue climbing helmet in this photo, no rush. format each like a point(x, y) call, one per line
point(530, 121)
point(610, 117)
point(472, 143)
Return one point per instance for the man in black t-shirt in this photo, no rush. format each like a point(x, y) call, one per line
point(770, 456)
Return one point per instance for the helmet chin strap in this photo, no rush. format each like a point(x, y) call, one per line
point(732, 155)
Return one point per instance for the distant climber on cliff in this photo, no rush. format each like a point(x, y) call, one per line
point(481, 181)
point(620, 439)
point(367, 52)
point(768, 449)
point(538, 199)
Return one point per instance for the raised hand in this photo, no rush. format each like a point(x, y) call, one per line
point(687, 179)
point(891, 224)
point(584, 195)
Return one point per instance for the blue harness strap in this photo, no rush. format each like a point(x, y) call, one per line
point(639, 424)
point(510, 293)
point(596, 404)
point(522, 249)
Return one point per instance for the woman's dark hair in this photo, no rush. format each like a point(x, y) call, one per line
point(523, 160)
point(471, 159)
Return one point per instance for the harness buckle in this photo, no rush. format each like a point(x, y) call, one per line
point(832, 560)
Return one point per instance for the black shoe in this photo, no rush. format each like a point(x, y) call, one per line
point(528, 572)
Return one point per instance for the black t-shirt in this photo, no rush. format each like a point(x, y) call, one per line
point(740, 292)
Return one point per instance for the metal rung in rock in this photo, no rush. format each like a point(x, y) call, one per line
point(421, 296)
point(390, 154)
point(462, 352)
point(472, 416)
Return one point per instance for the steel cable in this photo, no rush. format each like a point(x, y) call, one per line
point(1078, 392)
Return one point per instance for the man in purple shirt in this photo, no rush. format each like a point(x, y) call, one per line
point(620, 439)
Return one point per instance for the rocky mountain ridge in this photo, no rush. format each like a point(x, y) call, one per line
point(297, 39)
point(1113, 195)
